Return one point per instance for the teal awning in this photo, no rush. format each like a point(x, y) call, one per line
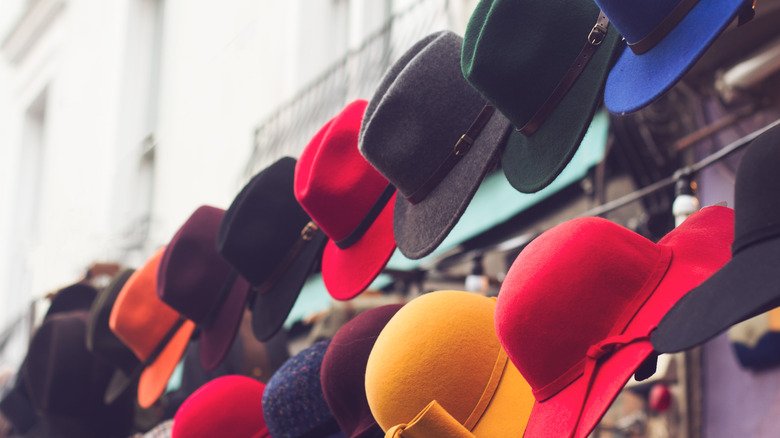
point(495, 202)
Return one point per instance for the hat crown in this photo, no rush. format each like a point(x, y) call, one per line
point(344, 369)
point(333, 182)
point(192, 275)
point(101, 341)
point(757, 191)
point(139, 318)
point(440, 346)
point(515, 53)
point(637, 19)
point(592, 270)
point(419, 111)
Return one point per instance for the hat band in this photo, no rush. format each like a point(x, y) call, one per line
point(489, 391)
point(307, 235)
point(595, 38)
point(664, 27)
point(217, 306)
point(164, 342)
point(368, 219)
point(433, 420)
point(754, 236)
point(462, 147)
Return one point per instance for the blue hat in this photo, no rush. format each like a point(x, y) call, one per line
point(665, 38)
point(294, 405)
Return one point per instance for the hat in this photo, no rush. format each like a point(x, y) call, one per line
point(156, 333)
point(229, 406)
point(756, 341)
point(433, 137)
point(665, 38)
point(344, 370)
point(441, 346)
point(543, 65)
point(66, 383)
point(198, 283)
point(293, 403)
point(103, 343)
point(350, 201)
point(78, 296)
point(16, 406)
point(271, 242)
point(749, 284)
point(577, 306)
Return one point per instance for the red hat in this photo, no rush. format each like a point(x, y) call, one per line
point(577, 307)
point(229, 406)
point(350, 201)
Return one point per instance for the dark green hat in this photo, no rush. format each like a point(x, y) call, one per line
point(521, 55)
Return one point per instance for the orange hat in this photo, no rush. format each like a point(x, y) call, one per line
point(442, 347)
point(157, 334)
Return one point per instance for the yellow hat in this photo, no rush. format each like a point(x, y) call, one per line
point(442, 347)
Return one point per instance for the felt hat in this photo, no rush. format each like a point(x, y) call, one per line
point(157, 334)
point(748, 284)
point(66, 382)
point(293, 403)
point(350, 201)
point(442, 346)
point(271, 241)
point(433, 137)
point(229, 406)
point(665, 38)
point(198, 283)
point(78, 296)
point(344, 370)
point(103, 343)
point(577, 306)
point(756, 341)
point(543, 65)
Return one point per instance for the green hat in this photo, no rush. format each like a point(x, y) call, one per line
point(543, 64)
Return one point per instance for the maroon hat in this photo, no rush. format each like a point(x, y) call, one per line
point(198, 283)
point(350, 201)
point(343, 373)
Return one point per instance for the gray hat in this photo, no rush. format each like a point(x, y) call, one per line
point(433, 137)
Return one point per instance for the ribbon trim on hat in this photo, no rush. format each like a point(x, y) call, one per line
point(433, 420)
point(368, 219)
point(664, 27)
point(462, 147)
point(307, 234)
point(595, 38)
point(490, 390)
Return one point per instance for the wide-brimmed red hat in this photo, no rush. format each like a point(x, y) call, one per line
point(198, 283)
point(229, 406)
point(577, 307)
point(350, 201)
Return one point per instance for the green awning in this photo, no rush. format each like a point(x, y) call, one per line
point(495, 202)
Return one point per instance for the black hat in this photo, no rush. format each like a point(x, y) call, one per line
point(272, 243)
point(749, 283)
point(78, 296)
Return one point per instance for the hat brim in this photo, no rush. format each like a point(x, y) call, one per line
point(348, 272)
point(270, 309)
point(700, 246)
point(510, 407)
point(154, 377)
point(637, 80)
point(746, 286)
point(119, 383)
point(215, 340)
point(532, 162)
point(420, 228)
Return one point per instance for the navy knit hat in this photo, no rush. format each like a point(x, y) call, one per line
point(293, 403)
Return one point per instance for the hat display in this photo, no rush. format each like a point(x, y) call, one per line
point(350, 201)
point(103, 343)
point(155, 333)
point(271, 241)
point(293, 403)
point(198, 283)
point(543, 65)
point(344, 370)
point(442, 346)
point(229, 406)
point(433, 137)
point(665, 39)
point(749, 283)
point(577, 307)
